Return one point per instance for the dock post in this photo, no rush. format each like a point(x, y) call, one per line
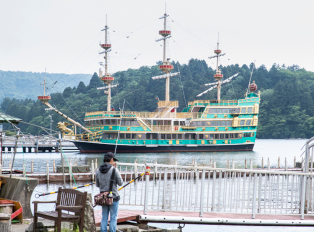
point(54, 166)
point(135, 172)
point(47, 172)
point(232, 164)
point(147, 173)
point(96, 165)
point(70, 172)
point(268, 164)
point(245, 163)
point(228, 166)
point(278, 161)
point(202, 193)
point(262, 162)
point(32, 166)
point(295, 162)
point(214, 164)
point(75, 162)
point(251, 164)
point(92, 170)
point(286, 167)
point(155, 169)
point(10, 165)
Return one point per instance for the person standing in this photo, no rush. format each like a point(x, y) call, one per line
point(103, 175)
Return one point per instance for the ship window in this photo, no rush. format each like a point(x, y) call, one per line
point(216, 136)
point(221, 136)
point(226, 136)
point(154, 136)
point(211, 136)
point(182, 123)
point(210, 111)
point(107, 121)
point(113, 121)
point(228, 123)
point(247, 135)
point(174, 136)
point(127, 136)
point(201, 136)
point(198, 123)
point(176, 123)
point(219, 111)
point(223, 123)
point(192, 136)
point(187, 136)
point(213, 123)
point(132, 123)
point(214, 111)
point(248, 122)
point(231, 136)
point(217, 123)
point(242, 122)
point(179, 136)
point(122, 136)
point(148, 136)
point(249, 110)
point(133, 136)
point(236, 136)
point(168, 136)
point(127, 123)
point(225, 110)
point(243, 110)
point(162, 136)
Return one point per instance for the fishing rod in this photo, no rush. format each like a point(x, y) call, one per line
point(82, 186)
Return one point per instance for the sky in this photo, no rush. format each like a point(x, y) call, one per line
point(63, 36)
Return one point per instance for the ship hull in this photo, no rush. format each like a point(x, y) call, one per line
point(96, 147)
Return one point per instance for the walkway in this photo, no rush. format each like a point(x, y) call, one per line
point(209, 218)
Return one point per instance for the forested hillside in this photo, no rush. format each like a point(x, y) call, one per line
point(13, 84)
point(286, 109)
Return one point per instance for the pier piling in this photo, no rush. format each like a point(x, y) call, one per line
point(286, 166)
point(245, 163)
point(54, 166)
point(262, 162)
point(47, 172)
point(268, 164)
point(32, 166)
point(278, 161)
point(93, 170)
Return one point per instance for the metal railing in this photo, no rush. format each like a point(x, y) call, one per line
point(206, 189)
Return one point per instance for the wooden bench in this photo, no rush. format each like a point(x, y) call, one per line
point(69, 200)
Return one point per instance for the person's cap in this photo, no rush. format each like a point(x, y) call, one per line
point(111, 155)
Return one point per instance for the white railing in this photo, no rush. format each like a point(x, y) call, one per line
point(206, 189)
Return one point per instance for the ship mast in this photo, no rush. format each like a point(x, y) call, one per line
point(107, 78)
point(218, 76)
point(166, 67)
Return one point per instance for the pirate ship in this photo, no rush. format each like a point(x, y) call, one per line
point(204, 126)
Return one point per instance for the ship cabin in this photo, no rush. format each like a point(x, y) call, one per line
point(203, 122)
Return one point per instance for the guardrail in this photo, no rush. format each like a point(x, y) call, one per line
point(207, 189)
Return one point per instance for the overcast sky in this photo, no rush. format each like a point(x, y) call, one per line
point(63, 35)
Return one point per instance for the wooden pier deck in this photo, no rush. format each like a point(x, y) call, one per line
point(209, 218)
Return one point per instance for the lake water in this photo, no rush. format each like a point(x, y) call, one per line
point(271, 149)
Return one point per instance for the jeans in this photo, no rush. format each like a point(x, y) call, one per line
point(113, 209)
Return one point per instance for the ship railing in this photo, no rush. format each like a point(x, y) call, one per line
point(193, 115)
point(205, 189)
point(168, 104)
point(160, 128)
point(214, 102)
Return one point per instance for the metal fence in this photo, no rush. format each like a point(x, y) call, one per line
point(207, 189)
